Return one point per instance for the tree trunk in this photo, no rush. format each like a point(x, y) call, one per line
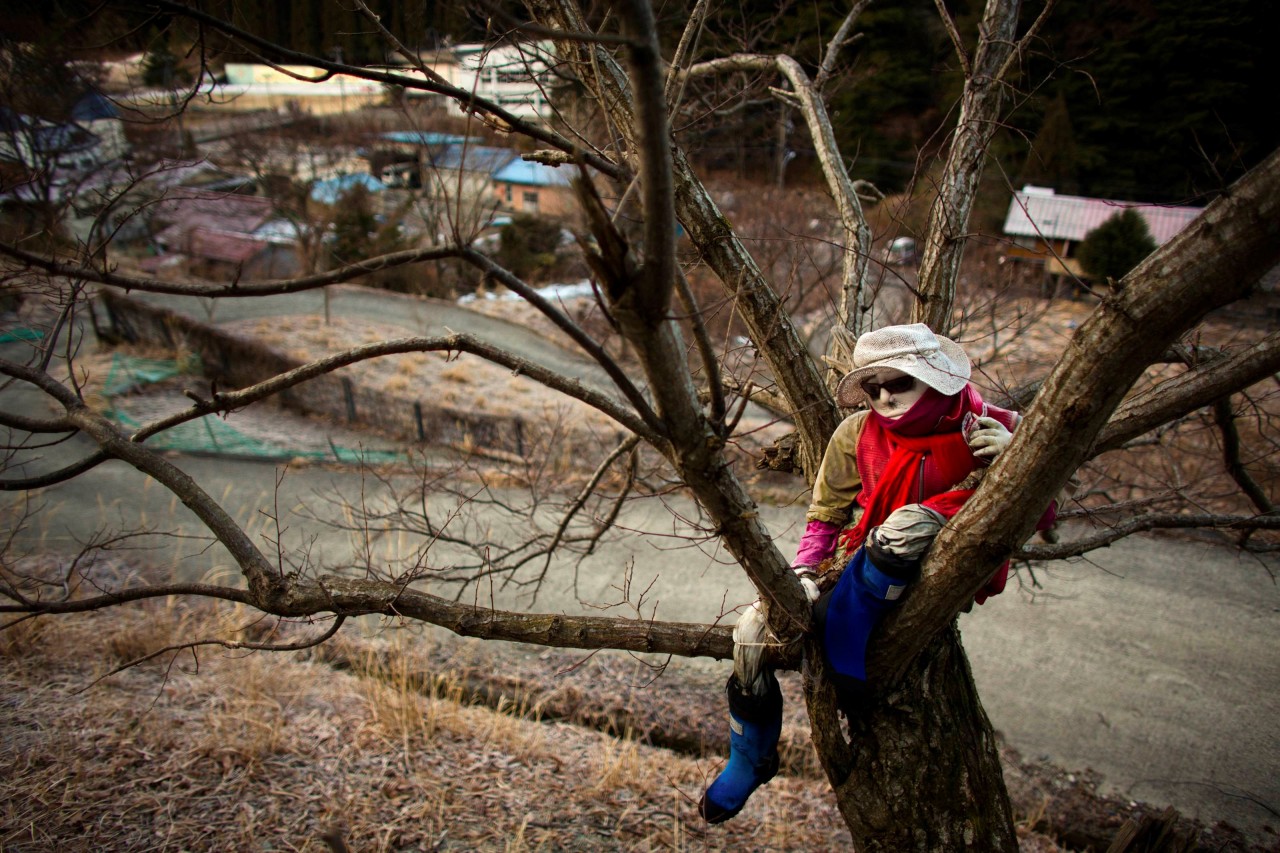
point(920, 770)
point(980, 107)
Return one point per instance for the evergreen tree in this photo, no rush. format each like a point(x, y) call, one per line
point(1116, 246)
point(354, 226)
point(1054, 156)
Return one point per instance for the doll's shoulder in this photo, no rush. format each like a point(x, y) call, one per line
point(854, 424)
point(849, 431)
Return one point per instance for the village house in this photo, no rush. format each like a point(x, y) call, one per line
point(513, 76)
point(403, 158)
point(460, 180)
point(533, 188)
point(220, 235)
point(1047, 228)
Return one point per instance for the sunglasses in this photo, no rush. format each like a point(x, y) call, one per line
point(898, 385)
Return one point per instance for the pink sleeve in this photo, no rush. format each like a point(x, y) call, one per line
point(817, 544)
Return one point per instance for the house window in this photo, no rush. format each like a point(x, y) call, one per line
point(507, 190)
point(530, 199)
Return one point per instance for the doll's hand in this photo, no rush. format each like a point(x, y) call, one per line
point(808, 576)
point(988, 438)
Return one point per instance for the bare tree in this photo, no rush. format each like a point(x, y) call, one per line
point(919, 771)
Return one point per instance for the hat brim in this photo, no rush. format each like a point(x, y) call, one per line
point(946, 370)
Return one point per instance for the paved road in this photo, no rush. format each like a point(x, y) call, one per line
point(1154, 662)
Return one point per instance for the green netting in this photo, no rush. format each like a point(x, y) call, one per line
point(20, 335)
point(211, 434)
point(129, 372)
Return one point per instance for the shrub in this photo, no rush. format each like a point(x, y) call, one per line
point(528, 246)
point(1116, 246)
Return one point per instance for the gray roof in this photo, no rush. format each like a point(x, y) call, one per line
point(473, 158)
point(93, 106)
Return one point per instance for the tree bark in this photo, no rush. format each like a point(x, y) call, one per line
point(920, 770)
point(980, 107)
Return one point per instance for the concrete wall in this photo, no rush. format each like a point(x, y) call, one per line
point(238, 361)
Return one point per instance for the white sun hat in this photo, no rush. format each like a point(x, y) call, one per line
point(915, 350)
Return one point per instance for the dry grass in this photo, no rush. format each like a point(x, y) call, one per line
point(403, 739)
point(259, 751)
point(459, 380)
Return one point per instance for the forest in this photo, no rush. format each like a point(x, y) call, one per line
point(1146, 100)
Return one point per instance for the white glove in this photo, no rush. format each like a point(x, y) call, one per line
point(809, 580)
point(988, 438)
point(751, 635)
point(908, 531)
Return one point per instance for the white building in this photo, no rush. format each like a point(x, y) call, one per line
point(513, 76)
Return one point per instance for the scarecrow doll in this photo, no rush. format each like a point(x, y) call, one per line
point(886, 486)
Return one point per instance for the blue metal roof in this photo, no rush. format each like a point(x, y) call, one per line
point(422, 137)
point(328, 192)
point(93, 106)
point(533, 174)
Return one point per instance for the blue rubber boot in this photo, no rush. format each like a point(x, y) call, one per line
point(755, 722)
point(872, 582)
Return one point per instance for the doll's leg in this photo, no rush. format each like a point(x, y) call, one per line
point(755, 721)
point(755, 714)
point(874, 580)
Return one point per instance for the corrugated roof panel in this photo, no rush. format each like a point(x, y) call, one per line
point(527, 173)
point(222, 246)
point(328, 192)
point(1065, 217)
point(423, 137)
point(474, 158)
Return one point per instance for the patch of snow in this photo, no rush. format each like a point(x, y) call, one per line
point(552, 293)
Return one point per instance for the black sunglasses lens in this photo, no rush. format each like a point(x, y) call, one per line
point(899, 385)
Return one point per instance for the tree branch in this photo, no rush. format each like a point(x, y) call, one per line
point(980, 105)
point(1118, 530)
point(235, 288)
point(962, 55)
point(574, 331)
point(128, 596)
point(227, 401)
point(468, 99)
point(1213, 261)
point(351, 597)
point(837, 43)
point(1225, 418)
point(1192, 390)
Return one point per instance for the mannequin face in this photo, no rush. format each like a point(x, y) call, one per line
point(892, 404)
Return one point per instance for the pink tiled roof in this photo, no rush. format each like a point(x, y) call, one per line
point(1036, 212)
point(187, 209)
point(221, 246)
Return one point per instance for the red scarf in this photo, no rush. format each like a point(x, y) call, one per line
point(892, 455)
